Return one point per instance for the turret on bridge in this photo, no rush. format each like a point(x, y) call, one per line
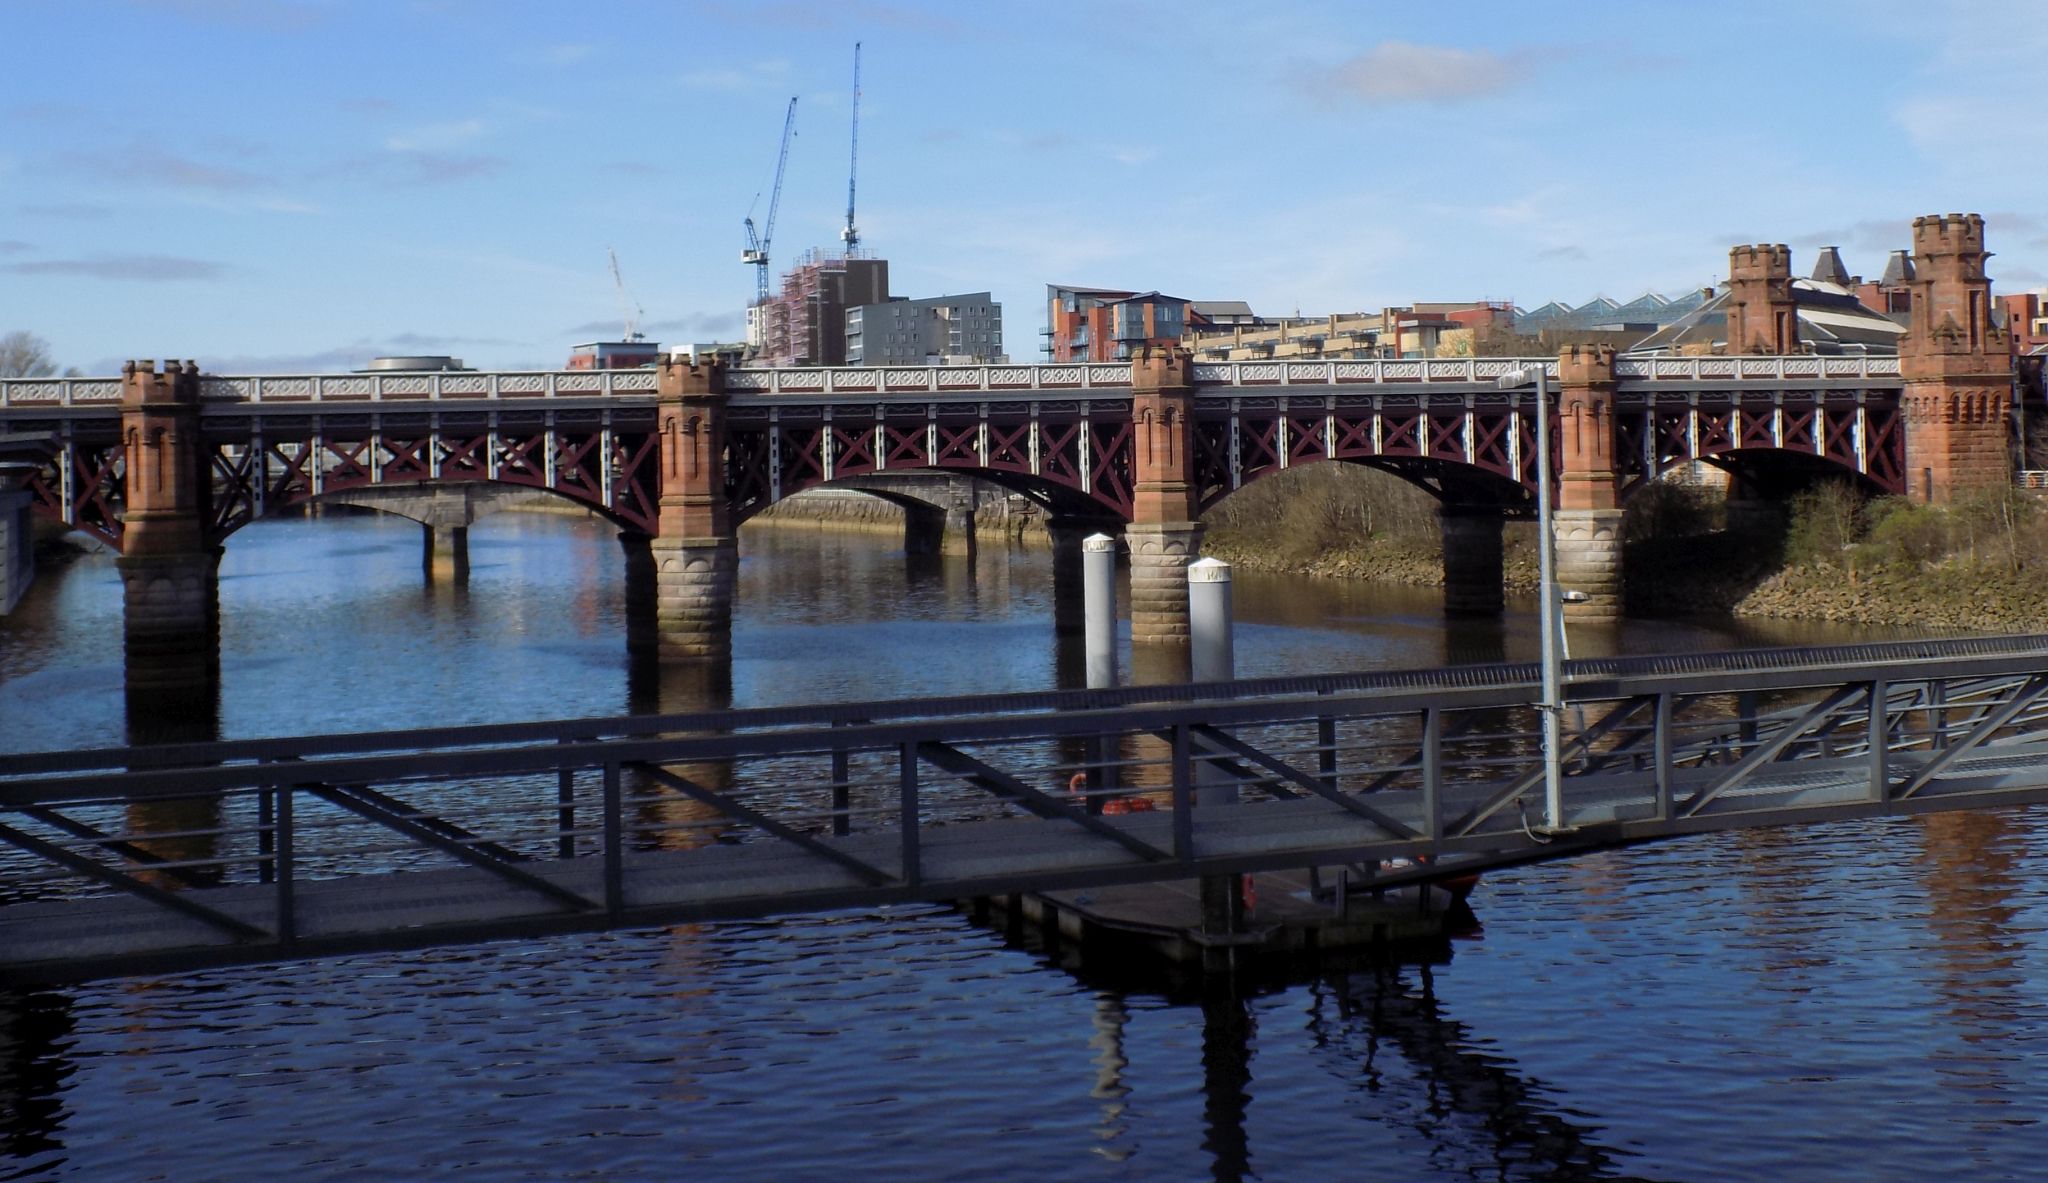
point(1762, 318)
point(1957, 364)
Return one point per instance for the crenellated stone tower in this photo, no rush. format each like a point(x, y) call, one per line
point(1761, 316)
point(1957, 364)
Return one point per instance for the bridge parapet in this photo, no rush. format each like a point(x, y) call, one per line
point(1881, 370)
point(864, 380)
point(1026, 382)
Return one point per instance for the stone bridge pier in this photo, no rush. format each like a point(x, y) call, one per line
point(1474, 562)
point(1587, 517)
point(169, 570)
point(695, 555)
point(445, 514)
point(938, 508)
point(17, 530)
point(1164, 534)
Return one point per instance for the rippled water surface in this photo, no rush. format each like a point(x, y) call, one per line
point(1857, 1001)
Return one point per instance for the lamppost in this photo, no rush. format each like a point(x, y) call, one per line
point(1550, 626)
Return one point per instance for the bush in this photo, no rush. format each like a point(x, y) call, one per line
point(1997, 525)
point(1901, 531)
point(1325, 506)
point(1823, 524)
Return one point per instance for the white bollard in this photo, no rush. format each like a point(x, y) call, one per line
point(1211, 656)
point(1098, 607)
point(1210, 631)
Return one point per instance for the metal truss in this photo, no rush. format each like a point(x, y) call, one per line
point(588, 435)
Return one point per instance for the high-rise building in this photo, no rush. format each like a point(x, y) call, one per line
point(805, 325)
point(940, 330)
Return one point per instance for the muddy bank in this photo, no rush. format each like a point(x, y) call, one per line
point(1383, 560)
point(828, 509)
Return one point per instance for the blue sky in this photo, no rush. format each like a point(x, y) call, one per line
point(290, 185)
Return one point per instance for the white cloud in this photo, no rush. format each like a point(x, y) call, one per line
point(143, 268)
point(435, 137)
point(1399, 72)
point(745, 77)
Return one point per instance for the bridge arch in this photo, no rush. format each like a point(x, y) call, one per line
point(435, 505)
point(1451, 483)
point(1775, 473)
point(1082, 464)
point(439, 477)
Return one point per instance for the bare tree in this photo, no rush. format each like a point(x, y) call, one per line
point(25, 355)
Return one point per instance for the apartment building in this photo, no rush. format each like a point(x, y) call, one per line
point(1108, 324)
point(938, 330)
point(1417, 330)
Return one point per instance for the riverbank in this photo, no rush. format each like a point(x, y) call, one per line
point(1383, 559)
point(1980, 564)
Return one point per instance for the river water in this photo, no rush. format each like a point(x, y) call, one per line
point(1854, 1001)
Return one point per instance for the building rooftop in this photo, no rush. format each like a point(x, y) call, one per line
point(1831, 320)
point(1148, 298)
point(1648, 308)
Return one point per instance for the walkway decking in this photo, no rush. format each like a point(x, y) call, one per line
point(581, 825)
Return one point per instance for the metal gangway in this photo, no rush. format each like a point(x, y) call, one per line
point(127, 860)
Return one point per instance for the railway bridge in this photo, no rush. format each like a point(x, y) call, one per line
point(166, 463)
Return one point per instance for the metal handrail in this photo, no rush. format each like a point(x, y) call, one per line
point(1667, 746)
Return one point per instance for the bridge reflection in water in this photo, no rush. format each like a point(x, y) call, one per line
point(915, 1004)
point(347, 842)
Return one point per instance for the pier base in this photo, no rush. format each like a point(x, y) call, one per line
point(171, 621)
point(640, 594)
point(1160, 555)
point(17, 546)
point(957, 535)
point(1473, 561)
point(445, 552)
point(693, 597)
point(937, 529)
point(1589, 561)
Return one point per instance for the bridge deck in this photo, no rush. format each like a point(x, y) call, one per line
point(1429, 762)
